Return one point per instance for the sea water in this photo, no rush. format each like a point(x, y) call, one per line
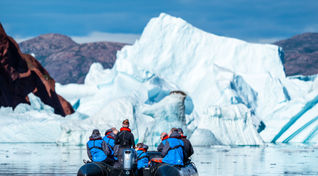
point(51, 159)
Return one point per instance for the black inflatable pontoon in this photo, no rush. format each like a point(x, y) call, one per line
point(156, 169)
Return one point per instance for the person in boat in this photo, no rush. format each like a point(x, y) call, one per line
point(188, 149)
point(163, 136)
point(125, 138)
point(109, 138)
point(142, 158)
point(172, 151)
point(97, 149)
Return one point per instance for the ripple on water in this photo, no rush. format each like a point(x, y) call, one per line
point(50, 159)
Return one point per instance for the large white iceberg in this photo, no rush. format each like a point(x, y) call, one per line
point(233, 88)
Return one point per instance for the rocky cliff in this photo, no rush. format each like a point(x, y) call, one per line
point(21, 74)
point(301, 54)
point(68, 61)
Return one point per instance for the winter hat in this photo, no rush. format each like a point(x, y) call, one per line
point(144, 146)
point(108, 131)
point(174, 130)
point(126, 123)
point(139, 145)
point(180, 130)
point(95, 134)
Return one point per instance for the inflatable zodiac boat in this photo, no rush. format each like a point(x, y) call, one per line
point(128, 167)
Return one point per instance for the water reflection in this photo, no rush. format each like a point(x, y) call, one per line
point(267, 160)
point(51, 159)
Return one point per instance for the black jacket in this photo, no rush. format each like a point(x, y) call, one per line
point(125, 138)
point(160, 146)
point(188, 149)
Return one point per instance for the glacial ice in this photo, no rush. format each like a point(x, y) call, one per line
point(232, 87)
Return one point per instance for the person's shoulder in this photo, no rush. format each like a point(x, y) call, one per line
point(189, 141)
point(182, 141)
point(129, 134)
point(185, 140)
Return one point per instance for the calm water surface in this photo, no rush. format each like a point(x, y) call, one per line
point(50, 159)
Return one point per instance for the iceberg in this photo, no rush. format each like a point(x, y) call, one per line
point(30, 123)
point(234, 92)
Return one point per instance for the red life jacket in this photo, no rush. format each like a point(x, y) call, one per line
point(125, 129)
point(94, 139)
point(156, 160)
point(165, 137)
point(183, 136)
point(111, 137)
point(142, 149)
point(177, 137)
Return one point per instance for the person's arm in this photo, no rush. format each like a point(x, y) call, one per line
point(191, 149)
point(105, 148)
point(89, 152)
point(116, 150)
point(117, 138)
point(160, 147)
point(165, 149)
point(132, 140)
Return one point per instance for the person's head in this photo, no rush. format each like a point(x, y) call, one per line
point(126, 123)
point(95, 134)
point(180, 131)
point(108, 131)
point(141, 146)
point(115, 131)
point(173, 130)
point(162, 135)
point(145, 147)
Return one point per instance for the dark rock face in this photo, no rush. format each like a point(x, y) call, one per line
point(67, 61)
point(21, 74)
point(301, 54)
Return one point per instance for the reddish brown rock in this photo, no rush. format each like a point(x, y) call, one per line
point(21, 74)
point(68, 61)
point(301, 54)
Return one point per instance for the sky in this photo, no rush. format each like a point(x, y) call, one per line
point(261, 21)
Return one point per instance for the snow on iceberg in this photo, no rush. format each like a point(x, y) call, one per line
point(233, 88)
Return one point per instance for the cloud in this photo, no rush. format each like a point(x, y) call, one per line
point(311, 28)
point(20, 39)
point(267, 40)
point(102, 36)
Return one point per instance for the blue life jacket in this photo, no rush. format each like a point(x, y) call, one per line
point(164, 140)
point(175, 153)
point(95, 147)
point(142, 159)
point(110, 142)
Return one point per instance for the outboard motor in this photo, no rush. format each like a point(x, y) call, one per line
point(129, 161)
